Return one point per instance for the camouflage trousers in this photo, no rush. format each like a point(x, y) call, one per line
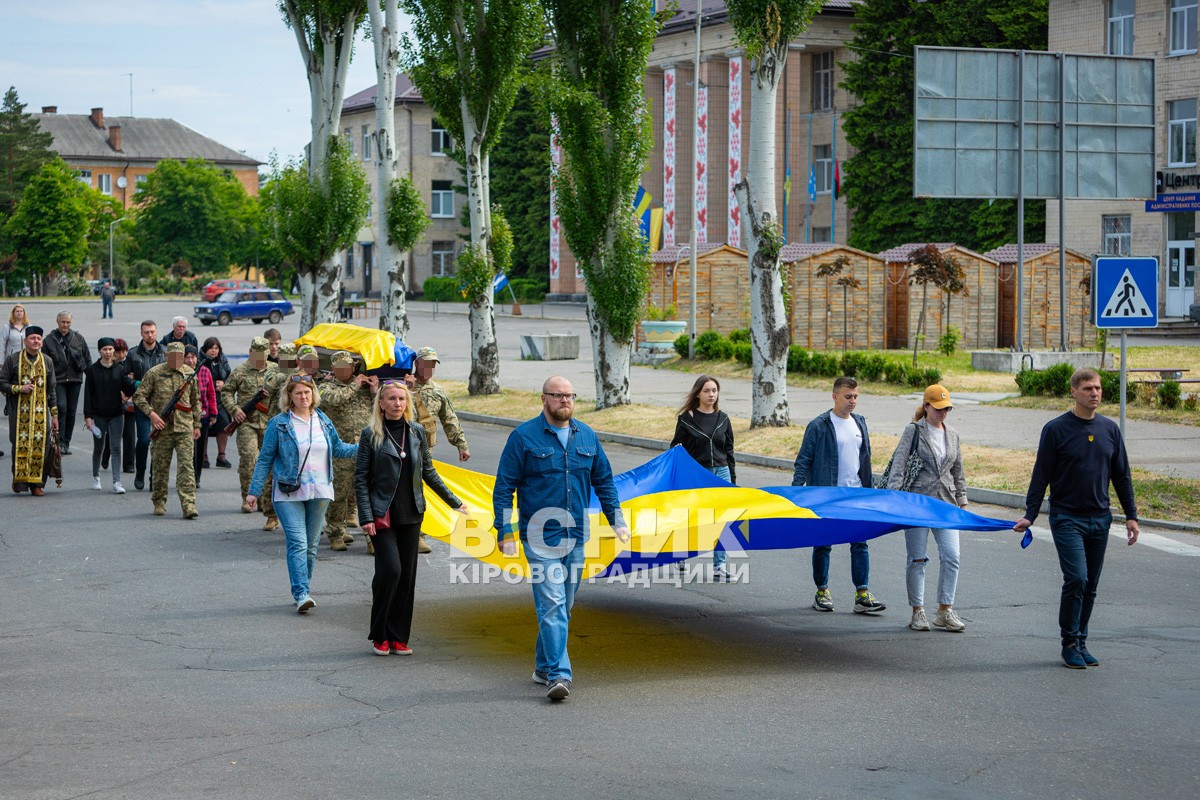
point(249, 442)
point(343, 508)
point(181, 446)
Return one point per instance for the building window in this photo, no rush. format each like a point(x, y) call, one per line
point(1117, 239)
point(441, 201)
point(138, 183)
point(443, 258)
point(823, 164)
point(440, 141)
point(350, 263)
point(1183, 26)
point(1181, 143)
point(84, 176)
point(366, 143)
point(1120, 27)
point(348, 135)
point(822, 75)
point(104, 183)
point(822, 235)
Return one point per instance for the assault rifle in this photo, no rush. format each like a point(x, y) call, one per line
point(168, 411)
point(257, 404)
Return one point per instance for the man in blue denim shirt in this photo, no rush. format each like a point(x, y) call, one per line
point(553, 463)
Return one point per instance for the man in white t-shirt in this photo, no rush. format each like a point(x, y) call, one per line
point(836, 451)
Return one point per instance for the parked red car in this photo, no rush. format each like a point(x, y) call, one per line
point(213, 289)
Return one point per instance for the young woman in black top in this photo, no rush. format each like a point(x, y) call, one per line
point(393, 462)
point(213, 356)
point(707, 435)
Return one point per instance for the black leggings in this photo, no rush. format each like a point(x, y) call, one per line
point(395, 583)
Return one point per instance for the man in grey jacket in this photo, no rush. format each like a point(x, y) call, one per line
point(836, 451)
point(69, 353)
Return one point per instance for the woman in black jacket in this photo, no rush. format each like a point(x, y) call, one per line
point(706, 434)
point(393, 461)
point(104, 410)
point(212, 355)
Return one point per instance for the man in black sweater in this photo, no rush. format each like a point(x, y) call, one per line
point(1079, 454)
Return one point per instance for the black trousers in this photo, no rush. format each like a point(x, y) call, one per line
point(395, 583)
point(68, 405)
point(201, 449)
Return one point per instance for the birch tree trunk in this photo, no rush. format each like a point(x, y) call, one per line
point(389, 260)
point(485, 356)
point(769, 336)
point(610, 359)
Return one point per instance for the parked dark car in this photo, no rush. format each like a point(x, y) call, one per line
point(255, 305)
point(214, 289)
point(96, 286)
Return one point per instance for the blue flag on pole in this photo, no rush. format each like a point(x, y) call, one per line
point(812, 183)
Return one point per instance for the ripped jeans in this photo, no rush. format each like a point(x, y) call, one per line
point(916, 542)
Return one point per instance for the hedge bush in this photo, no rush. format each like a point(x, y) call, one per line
point(527, 290)
point(740, 336)
point(442, 289)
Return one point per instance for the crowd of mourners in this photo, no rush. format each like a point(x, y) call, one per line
point(327, 454)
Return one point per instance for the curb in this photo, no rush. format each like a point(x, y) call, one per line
point(992, 497)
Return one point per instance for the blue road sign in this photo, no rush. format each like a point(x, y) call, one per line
point(1125, 293)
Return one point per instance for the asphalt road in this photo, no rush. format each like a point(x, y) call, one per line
point(145, 657)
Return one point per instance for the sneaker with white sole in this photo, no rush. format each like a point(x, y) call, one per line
point(865, 603)
point(559, 690)
point(304, 604)
point(823, 601)
point(118, 488)
point(949, 620)
point(96, 484)
point(541, 678)
point(919, 621)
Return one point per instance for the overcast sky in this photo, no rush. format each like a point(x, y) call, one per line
point(229, 69)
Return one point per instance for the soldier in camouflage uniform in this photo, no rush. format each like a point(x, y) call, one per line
point(287, 366)
point(346, 398)
point(177, 435)
point(430, 404)
point(243, 384)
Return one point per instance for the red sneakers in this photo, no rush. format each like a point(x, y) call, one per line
point(381, 648)
point(401, 649)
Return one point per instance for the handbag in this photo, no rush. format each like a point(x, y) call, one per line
point(912, 465)
point(288, 488)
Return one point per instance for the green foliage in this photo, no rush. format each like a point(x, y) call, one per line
point(310, 220)
point(682, 341)
point(474, 271)
point(593, 86)
point(1191, 401)
point(852, 364)
point(520, 183)
point(501, 243)
point(768, 25)
point(825, 365)
point(867, 366)
point(878, 177)
point(1054, 381)
point(443, 289)
point(529, 290)
point(713, 346)
point(24, 149)
point(743, 353)
point(406, 219)
point(873, 367)
point(48, 230)
point(948, 342)
point(740, 335)
point(1168, 394)
point(655, 313)
point(798, 360)
point(895, 372)
point(193, 213)
point(920, 378)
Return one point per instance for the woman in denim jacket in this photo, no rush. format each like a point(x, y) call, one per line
point(299, 446)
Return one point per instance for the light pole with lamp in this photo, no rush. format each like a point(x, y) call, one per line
point(111, 225)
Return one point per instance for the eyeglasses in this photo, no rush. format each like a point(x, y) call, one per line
point(560, 396)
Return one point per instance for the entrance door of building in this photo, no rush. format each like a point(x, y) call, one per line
point(368, 266)
point(1181, 277)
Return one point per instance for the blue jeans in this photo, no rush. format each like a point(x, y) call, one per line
point(106, 308)
point(719, 556)
point(860, 565)
point(916, 542)
point(1081, 542)
point(554, 579)
point(302, 521)
point(142, 449)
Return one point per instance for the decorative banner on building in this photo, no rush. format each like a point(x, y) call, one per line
point(733, 235)
point(555, 161)
point(701, 171)
point(668, 158)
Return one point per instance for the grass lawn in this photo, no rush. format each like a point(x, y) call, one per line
point(1159, 497)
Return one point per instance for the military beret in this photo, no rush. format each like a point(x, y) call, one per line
point(342, 357)
point(428, 354)
point(287, 349)
point(306, 350)
point(259, 345)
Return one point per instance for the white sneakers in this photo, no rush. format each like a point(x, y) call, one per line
point(919, 621)
point(118, 488)
point(949, 620)
point(96, 484)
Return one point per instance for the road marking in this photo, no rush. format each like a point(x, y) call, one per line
point(1152, 540)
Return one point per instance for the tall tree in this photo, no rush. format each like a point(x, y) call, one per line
point(468, 60)
point(765, 30)
point(595, 93)
point(48, 230)
point(879, 176)
point(310, 221)
point(190, 213)
point(324, 32)
point(24, 148)
point(520, 184)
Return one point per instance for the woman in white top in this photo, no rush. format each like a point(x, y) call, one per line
point(12, 339)
point(299, 446)
point(941, 476)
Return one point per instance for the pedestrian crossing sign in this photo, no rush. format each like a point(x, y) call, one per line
point(1125, 292)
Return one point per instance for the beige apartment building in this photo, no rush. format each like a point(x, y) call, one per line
point(423, 150)
point(1165, 30)
point(809, 137)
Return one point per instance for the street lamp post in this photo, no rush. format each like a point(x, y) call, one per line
point(111, 225)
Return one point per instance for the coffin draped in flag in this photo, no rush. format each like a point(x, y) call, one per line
point(677, 509)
